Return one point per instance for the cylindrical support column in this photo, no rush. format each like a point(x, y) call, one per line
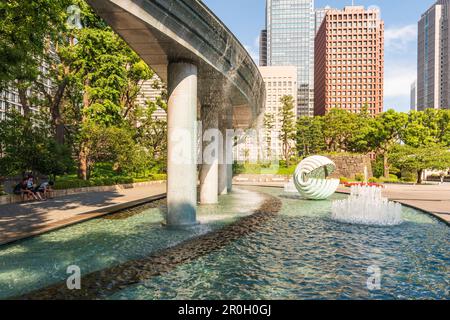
point(182, 145)
point(209, 172)
point(228, 142)
point(223, 166)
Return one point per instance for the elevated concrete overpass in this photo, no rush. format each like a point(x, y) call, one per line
point(209, 75)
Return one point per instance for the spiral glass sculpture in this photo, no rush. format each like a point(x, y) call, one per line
point(310, 178)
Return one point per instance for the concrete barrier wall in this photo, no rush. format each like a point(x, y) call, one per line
point(9, 199)
point(349, 166)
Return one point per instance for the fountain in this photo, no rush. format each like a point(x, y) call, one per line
point(290, 187)
point(367, 206)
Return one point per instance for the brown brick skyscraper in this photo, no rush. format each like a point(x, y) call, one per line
point(349, 61)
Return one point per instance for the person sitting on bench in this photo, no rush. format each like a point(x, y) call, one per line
point(30, 187)
point(22, 190)
point(45, 188)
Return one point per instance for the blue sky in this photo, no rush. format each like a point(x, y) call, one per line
point(246, 18)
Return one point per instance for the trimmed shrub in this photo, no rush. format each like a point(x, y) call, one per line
point(409, 176)
point(392, 179)
point(158, 177)
point(343, 180)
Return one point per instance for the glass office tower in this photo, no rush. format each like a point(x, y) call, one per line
point(433, 60)
point(290, 42)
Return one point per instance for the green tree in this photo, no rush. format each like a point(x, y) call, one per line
point(107, 144)
point(26, 144)
point(364, 127)
point(388, 130)
point(108, 73)
point(288, 130)
point(310, 139)
point(338, 130)
point(443, 126)
point(92, 107)
point(25, 31)
point(420, 158)
point(427, 127)
point(151, 133)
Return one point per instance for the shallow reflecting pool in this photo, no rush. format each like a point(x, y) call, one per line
point(303, 254)
point(97, 244)
point(299, 254)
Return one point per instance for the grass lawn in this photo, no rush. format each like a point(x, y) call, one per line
point(104, 175)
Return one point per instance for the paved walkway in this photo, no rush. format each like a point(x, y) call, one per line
point(18, 221)
point(431, 198)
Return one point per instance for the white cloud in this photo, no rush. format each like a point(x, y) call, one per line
point(398, 80)
point(397, 85)
point(256, 42)
point(253, 49)
point(400, 38)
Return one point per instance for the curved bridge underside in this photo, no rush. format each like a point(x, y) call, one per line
point(165, 31)
point(208, 73)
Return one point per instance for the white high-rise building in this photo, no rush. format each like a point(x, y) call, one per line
point(150, 91)
point(433, 65)
point(280, 82)
point(9, 97)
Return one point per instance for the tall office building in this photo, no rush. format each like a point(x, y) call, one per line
point(349, 61)
point(280, 82)
point(433, 74)
point(290, 26)
point(413, 96)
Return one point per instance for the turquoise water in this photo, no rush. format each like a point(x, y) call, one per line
point(303, 254)
point(300, 254)
point(97, 244)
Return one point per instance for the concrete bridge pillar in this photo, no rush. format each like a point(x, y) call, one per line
point(223, 166)
point(182, 145)
point(229, 141)
point(209, 172)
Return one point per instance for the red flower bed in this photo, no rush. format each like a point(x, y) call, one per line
point(362, 184)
